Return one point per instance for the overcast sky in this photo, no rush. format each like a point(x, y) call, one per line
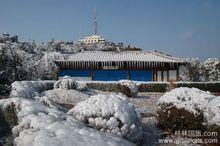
point(186, 28)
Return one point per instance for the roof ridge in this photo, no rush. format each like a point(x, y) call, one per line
point(165, 55)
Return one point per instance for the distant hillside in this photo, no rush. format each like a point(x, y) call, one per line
point(69, 46)
point(80, 46)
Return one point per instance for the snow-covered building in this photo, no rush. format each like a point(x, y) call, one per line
point(113, 66)
point(93, 39)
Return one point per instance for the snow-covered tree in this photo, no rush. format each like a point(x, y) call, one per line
point(211, 69)
point(12, 61)
point(193, 70)
point(45, 68)
point(2, 60)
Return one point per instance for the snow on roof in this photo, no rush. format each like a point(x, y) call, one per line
point(105, 56)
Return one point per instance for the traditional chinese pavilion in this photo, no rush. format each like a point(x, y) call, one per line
point(113, 66)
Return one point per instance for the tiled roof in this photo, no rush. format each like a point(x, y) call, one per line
point(104, 56)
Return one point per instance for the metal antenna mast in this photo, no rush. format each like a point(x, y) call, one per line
point(95, 21)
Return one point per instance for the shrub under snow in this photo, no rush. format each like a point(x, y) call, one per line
point(128, 87)
point(29, 89)
point(39, 125)
point(64, 96)
point(66, 83)
point(213, 112)
point(110, 113)
point(187, 108)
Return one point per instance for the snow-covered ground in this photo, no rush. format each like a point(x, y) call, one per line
point(146, 102)
point(43, 120)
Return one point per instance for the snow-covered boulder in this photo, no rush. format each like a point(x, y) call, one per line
point(110, 113)
point(39, 125)
point(183, 108)
point(64, 96)
point(66, 83)
point(29, 89)
point(128, 88)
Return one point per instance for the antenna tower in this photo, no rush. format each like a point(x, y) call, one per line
point(95, 21)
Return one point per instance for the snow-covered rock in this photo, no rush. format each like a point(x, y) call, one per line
point(110, 113)
point(64, 96)
point(29, 89)
point(40, 125)
point(66, 83)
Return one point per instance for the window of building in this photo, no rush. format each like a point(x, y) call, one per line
point(159, 77)
point(172, 75)
point(165, 76)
